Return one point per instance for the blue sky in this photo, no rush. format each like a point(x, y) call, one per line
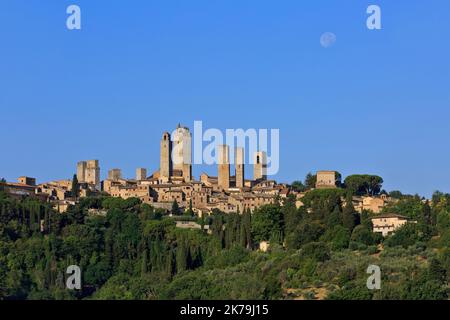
point(375, 102)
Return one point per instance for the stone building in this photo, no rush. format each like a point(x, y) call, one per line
point(182, 152)
point(174, 182)
point(374, 204)
point(260, 166)
point(388, 223)
point(132, 191)
point(327, 179)
point(89, 172)
point(141, 174)
point(239, 167)
point(175, 156)
point(165, 168)
point(115, 174)
point(27, 181)
point(81, 171)
point(223, 161)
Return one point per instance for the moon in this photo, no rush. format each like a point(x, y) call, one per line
point(327, 39)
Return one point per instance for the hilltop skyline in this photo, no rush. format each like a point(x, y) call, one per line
point(374, 102)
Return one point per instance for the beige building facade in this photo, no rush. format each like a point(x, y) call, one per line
point(260, 166)
point(326, 180)
point(387, 224)
point(89, 172)
point(223, 161)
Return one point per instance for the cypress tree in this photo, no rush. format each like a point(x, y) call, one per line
point(175, 208)
point(46, 221)
point(75, 187)
point(182, 254)
point(243, 234)
point(426, 214)
point(171, 266)
point(349, 216)
point(190, 211)
point(144, 268)
point(248, 228)
point(426, 220)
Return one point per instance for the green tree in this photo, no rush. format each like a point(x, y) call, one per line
point(291, 215)
point(267, 223)
point(75, 187)
point(405, 236)
point(364, 184)
point(321, 202)
point(298, 186)
point(246, 230)
point(307, 231)
point(189, 211)
point(338, 236)
point(310, 181)
point(395, 194)
point(363, 234)
point(217, 227)
point(182, 255)
point(2, 186)
point(317, 251)
point(350, 218)
point(175, 208)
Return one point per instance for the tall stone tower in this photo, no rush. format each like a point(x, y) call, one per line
point(260, 166)
point(114, 174)
point(239, 166)
point(182, 152)
point(81, 170)
point(92, 173)
point(165, 168)
point(141, 174)
point(224, 167)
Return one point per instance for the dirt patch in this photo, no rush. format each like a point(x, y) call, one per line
point(312, 293)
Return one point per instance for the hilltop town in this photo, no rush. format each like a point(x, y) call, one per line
point(168, 235)
point(174, 182)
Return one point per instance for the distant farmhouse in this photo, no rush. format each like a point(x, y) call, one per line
point(387, 224)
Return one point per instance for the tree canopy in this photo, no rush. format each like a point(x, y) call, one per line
point(364, 184)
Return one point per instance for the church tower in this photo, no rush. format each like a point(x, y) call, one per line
point(260, 166)
point(165, 170)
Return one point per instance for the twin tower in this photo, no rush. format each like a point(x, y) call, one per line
point(223, 179)
point(176, 161)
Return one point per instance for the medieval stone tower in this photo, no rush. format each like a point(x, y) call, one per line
point(115, 174)
point(260, 166)
point(141, 174)
point(81, 170)
point(239, 166)
point(89, 172)
point(223, 161)
point(92, 174)
point(182, 152)
point(165, 167)
point(176, 155)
